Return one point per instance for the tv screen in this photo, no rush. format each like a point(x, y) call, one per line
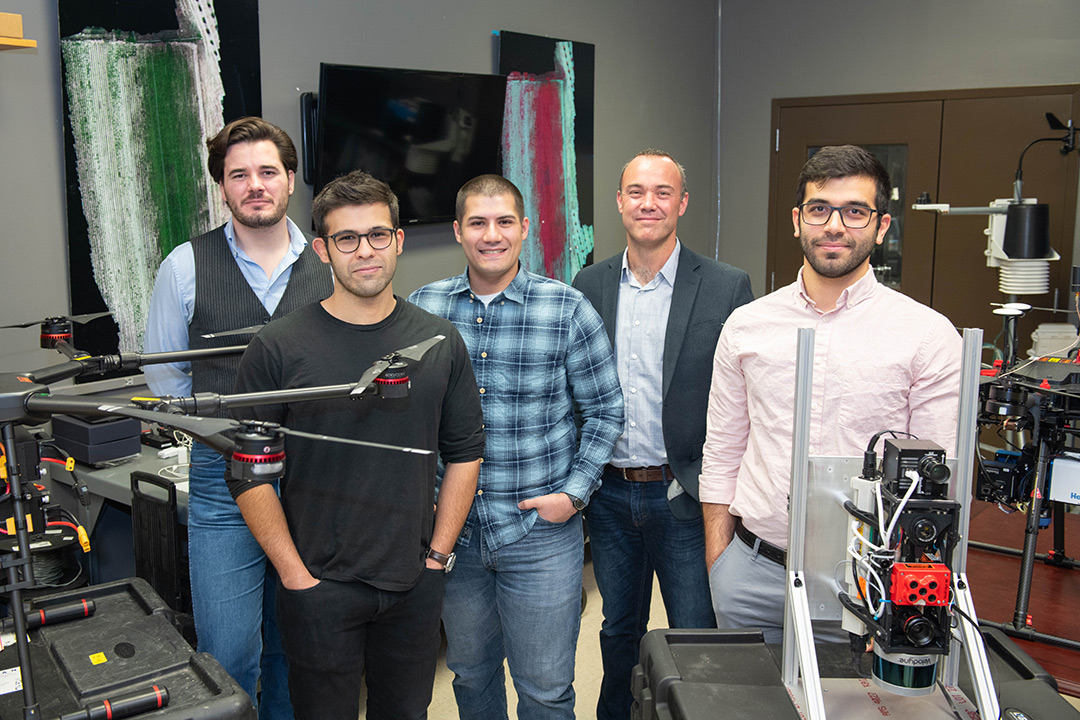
point(423, 132)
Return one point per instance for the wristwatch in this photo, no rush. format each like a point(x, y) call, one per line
point(447, 561)
point(578, 503)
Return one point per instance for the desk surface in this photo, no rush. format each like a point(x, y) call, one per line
point(114, 482)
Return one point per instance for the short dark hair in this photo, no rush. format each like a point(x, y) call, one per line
point(488, 186)
point(248, 129)
point(840, 161)
point(356, 188)
point(653, 152)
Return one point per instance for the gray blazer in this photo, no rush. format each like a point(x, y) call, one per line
point(705, 293)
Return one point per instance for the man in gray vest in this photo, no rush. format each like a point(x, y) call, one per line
point(255, 268)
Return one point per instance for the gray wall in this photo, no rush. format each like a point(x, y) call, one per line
point(655, 85)
point(787, 48)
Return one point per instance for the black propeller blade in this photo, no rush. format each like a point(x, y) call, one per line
point(415, 352)
point(314, 436)
point(205, 428)
point(80, 319)
point(249, 330)
point(412, 352)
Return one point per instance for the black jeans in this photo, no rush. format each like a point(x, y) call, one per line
point(334, 630)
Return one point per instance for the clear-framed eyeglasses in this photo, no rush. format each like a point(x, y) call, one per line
point(347, 241)
point(854, 217)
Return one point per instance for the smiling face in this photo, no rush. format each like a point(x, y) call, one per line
point(255, 185)
point(832, 250)
point(491, 233)
point(363, 273)
point(650, 199)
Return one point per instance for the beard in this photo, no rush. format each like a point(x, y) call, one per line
point(831, 264)
point(259, 218)
point(366, 287)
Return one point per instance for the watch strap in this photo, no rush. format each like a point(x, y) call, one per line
point(447, 561)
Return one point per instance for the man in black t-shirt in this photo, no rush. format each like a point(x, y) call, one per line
point(356, 538)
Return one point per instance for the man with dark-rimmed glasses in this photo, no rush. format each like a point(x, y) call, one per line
point(360, 546)
point(881, 361)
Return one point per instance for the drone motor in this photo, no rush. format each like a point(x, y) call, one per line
point(259, 453)
point(54, 330)
point(394, 381)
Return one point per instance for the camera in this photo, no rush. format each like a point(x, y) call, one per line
point(904, 541)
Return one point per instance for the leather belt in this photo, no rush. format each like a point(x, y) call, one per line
point(765, 549)
point(655, 473)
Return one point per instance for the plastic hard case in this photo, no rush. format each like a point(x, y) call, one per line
point(129, 644)
point(734, 675)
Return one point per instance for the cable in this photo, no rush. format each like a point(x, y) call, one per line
point(915, 482)
point(174, 472)
point(64, 523)
point(869, 468)
point(48, 568)
point(964, 615)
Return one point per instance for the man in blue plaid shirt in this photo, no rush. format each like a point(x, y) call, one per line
point(537, 347)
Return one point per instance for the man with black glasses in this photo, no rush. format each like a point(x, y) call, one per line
point(881, 361)
point(357, 540)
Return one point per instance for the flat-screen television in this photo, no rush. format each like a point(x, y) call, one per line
point(423, 132)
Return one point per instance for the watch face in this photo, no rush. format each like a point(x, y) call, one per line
point(450, 561)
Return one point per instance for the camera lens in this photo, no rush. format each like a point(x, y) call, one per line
point(924, 530)
point(931, 468)
point(919, 630)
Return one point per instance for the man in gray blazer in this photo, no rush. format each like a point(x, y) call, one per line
point(663, 306)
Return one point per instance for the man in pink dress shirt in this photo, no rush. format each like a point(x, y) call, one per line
point(881, 361)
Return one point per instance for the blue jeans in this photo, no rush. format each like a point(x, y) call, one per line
point(232, 589)
point(633, 534)
point(335, 632)
point(521, 602)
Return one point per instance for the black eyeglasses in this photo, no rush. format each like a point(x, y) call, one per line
point(854, 217)
point(347, 241)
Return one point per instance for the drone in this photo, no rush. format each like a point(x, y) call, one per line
point(255, 449)
point(387, 377)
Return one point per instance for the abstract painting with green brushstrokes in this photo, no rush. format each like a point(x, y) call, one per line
point(143, 87)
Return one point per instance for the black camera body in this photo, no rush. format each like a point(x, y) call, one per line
point(924, 536)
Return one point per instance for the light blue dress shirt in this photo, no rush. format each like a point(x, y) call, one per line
point(640, 329)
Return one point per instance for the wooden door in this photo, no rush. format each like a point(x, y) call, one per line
point(962, 149)
point(913, 132)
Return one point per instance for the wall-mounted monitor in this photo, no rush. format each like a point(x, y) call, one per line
point(423, 132)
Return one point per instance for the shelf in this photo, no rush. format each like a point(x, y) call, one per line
point(10, 43)
point(11, 33)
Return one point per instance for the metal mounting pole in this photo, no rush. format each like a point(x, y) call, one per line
point(799, 650)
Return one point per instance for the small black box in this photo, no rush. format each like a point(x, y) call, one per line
point(99, 440)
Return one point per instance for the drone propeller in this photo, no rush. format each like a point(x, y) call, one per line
point(249, 330)
point(204, 428)
point(349, 441)
point(413, 352)
point(80, 319)
point(210, 429)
